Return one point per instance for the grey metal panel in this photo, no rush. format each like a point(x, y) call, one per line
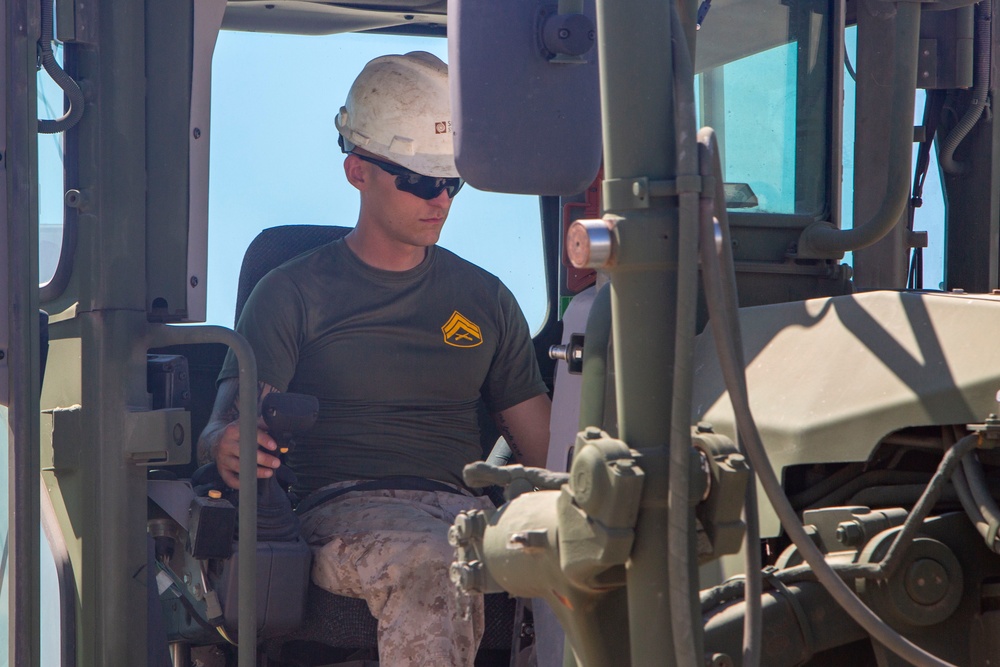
point(207, 22)
point(300, 17)
point(828, 378)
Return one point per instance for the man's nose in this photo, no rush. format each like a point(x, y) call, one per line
point(442, 199)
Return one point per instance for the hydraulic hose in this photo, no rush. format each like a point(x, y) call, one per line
point(952, 457)
point(970, 507)
point(683, 569)
point(985, 506)
point(60, 77)
point(724, 321)
point(821, 240)
point(980, 90)
point(753, 619)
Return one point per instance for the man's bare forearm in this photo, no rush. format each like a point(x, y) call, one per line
point(225, 412)
point(525, 427)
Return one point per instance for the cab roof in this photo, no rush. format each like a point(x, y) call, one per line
point(316, 17)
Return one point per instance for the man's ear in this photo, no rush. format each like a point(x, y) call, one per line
point(356, 171)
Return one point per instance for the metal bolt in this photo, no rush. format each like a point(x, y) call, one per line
point(849, 533)
point(468, 526)
point(196, 133)
point(592, 433)
point(529, 539)
point(73, 198)
point(470, 576)
point(590, 244)
point(563, 33)
point(639, 189)
point(719, 660)
point(194, 281)
point(706, 468)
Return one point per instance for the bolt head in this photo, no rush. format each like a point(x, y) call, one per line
point(849, 534)
point(926, 581)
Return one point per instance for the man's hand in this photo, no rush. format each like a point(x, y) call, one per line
point(226, 453)
point(220, 441)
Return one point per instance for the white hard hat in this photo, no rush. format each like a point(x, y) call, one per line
point(398, 108)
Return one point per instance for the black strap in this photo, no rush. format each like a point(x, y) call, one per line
point(399, 483)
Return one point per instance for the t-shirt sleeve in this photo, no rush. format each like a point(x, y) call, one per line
point(273, 321)
point(513, 376)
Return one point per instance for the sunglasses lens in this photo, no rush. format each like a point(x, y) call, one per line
point(428, 187)
point(425, 187)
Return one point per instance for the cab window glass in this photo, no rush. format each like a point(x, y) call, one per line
point(50, 176)
point(763, 72)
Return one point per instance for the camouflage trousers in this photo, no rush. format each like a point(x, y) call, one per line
point(390, 547)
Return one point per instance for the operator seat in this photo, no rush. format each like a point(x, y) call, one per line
point(335, 620)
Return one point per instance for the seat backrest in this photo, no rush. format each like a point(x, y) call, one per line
point(275, 246)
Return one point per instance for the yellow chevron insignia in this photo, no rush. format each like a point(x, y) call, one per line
point(460, 331)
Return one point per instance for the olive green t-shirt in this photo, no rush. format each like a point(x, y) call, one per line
point(398, 361)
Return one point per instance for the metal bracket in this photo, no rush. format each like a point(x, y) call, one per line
point(160, 437)
point(632, 193)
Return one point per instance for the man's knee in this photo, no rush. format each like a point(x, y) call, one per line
point(423, 557)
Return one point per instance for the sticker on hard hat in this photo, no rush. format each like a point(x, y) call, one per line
point(441, 127)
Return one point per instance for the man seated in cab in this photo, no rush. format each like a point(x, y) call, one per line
point(399, 339)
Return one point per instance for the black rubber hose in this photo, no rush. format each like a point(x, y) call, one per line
point(986, 506)
point(980, 90)
point(60, 77)
point(714, 206)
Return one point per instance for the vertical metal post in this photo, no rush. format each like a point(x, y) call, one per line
point(103, 487)
point(19, 166)
point(637, 104)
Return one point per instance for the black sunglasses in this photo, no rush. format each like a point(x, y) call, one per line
point(425, 187)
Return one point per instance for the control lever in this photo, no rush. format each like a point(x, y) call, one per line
point(286, 415)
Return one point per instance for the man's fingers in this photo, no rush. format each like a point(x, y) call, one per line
point(228, 456)
point(266, 461)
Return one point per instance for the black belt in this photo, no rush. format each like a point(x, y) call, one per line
point(400, 483)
